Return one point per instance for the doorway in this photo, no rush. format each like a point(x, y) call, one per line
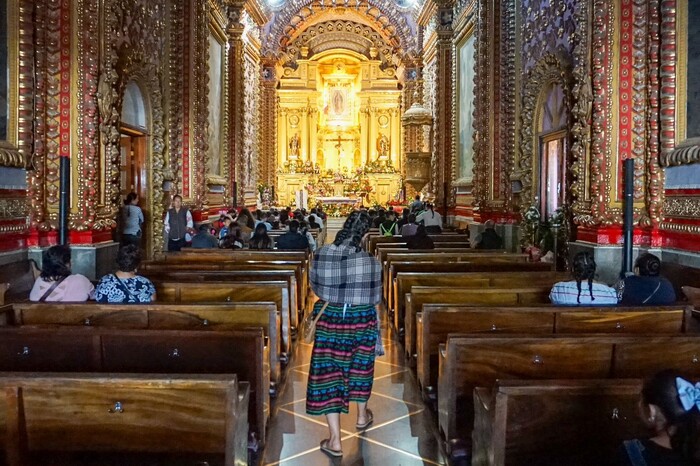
point(133, 161)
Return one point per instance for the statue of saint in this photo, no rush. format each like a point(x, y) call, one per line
point(294, 146)
point(383, 146)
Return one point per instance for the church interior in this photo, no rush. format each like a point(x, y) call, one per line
point(568, 124)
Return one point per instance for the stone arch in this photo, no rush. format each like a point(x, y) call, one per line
point(551, 69)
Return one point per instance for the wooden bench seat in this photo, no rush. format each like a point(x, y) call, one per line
point(376, 240)
point(85, 349)
point(207, 276)
point(555, 422)
point(218, 292)
point(297, 266)
point(421, 295)
point(478, 360)
point(437, 321)
point(471, 256)
point(47, 413)
point(403, 282)
point(160, 316)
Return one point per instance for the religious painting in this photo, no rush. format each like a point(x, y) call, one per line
point(465, 113)
point(216, 74)
point(692, 71)
point(4, 75)
point(339, 105)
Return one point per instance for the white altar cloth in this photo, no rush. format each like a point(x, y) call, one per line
point(338, 200)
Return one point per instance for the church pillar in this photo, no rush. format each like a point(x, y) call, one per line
point(372, 131)
point(282, 149)
point(268, 111)
point(305, 150)
point(443, 145)
point(395, 138)
point(313, 130)
point(364, 134)
point(236, 104)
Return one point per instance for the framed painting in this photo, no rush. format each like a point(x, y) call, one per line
point(465, 109)
point(216, 72)
point(10, 155)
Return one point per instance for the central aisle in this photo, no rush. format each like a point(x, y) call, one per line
point(403, 432)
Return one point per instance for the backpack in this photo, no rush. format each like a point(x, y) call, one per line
point(385, 231)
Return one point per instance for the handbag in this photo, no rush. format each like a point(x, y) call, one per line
point(308, 326)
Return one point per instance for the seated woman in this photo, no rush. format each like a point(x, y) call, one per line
point(260, 239)
point(569, 293)
point(647, 287)
point(234, 239)
point(124, 286)
point(420, 240)
point(410, 228)
point(669, 408)
point(56, 283)
point(431, 219)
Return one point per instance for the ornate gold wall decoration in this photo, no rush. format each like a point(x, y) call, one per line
point(551, 69)
point(236, 97)
point(507, 118)
point(654, 193)
point(683, 207)
point(251, 118)
point(14, 149)
point(14, 208)
point(133, 37)
point(268, 128)
point(174, 95)
point(482, 103)
point(36, 46)
point(199, 145)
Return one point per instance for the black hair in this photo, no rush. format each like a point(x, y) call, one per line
point(661, 390)
point(260, 239)
point(127, 202)
point(55, 263)
point(250, 223)
point(430, 206)
point(421, 231)
point(128, 258)
point(356, 225)
point(583, 268)
point(203, 227)
point(411, 218)
point(177, 196)
point(294, 225)
point(649, 265)
point(233, 236)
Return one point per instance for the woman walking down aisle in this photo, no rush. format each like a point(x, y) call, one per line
point(348, 283)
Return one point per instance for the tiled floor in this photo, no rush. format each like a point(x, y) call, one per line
point(403, 432)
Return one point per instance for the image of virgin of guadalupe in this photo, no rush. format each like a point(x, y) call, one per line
point(338, 102)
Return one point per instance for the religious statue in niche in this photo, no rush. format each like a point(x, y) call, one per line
point(383, 146)
point(294, 146)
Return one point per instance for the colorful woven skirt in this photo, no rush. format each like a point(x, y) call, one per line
point(342, 361)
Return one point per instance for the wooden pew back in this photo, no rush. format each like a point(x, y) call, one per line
point(470, 361)
point(376, 240)
point(72, 349)
point(437, 321)
point(421, 295)
point(160, 316)
point(218, 292)
point(125, 413)
point(555, 422)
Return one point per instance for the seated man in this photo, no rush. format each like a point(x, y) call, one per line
point(488, 239)
point(647, 287)
point(204, 239)
point(293, 239)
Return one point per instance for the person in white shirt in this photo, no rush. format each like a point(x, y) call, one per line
point(431, 219)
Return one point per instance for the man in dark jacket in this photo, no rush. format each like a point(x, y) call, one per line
point(293, 239)
point(488, 239)
point(204, 239)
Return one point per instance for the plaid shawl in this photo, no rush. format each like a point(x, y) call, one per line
point(341, 275)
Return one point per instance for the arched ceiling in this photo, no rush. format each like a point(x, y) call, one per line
point(393, 21)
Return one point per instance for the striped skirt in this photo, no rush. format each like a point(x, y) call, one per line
point(342, 361)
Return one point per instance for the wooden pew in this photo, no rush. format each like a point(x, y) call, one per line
point(49, 414)
point(555, 422)
point(443, 239)
point(152, 267)
point(437, 321)
point(85, 349)
point(404, 281)
point(472, 256)
point(421, 295)
point(396, 267)
point(161, 316)
point(478, 360)
point(206, 276)
point(217, 292)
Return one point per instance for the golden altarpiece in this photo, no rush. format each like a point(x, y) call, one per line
point(339, 130)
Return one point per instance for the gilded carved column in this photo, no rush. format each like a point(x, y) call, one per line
point(443, 146)
point(305, 150)
point(313, 128)
point(268, 156)
point(236, 103)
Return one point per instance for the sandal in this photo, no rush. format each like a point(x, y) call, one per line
point(370, 420)
point(329, 451)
